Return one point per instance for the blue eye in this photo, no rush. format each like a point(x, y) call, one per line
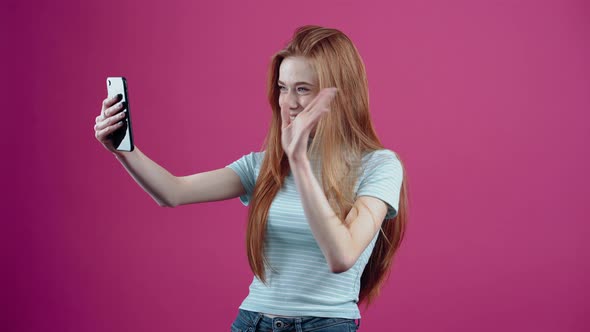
point(302, 89)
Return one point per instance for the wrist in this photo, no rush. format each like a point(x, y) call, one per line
point(121, 155)
point(298, 160)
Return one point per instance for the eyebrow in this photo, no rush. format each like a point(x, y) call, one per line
point(296, 83)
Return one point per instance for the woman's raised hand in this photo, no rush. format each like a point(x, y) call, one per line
point(295, 133)
point(110, 119)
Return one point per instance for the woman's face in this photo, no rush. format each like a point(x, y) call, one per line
point(298, 84)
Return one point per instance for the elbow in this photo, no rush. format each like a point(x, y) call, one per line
point(336, 269)
point(166, 204)
point(341, 265)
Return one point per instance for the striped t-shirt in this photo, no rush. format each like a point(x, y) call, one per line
point(299, 282)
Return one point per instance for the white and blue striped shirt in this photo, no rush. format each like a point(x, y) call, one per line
point(300, 282)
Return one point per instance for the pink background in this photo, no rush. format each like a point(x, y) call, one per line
point(485, 101)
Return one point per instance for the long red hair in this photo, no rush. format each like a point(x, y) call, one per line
point(342, 137)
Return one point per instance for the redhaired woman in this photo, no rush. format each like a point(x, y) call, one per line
point(327, 202)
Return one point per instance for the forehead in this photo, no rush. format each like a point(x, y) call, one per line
point(297, 69)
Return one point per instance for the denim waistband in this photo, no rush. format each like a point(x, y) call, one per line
point(257, 321)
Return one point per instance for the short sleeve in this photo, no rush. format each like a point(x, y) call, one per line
point(247, 168)
point(381, 178)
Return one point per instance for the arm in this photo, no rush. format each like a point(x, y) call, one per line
point(165, 188)
point(341, 243)
point(170, 191)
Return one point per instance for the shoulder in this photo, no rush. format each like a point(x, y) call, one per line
point(377, 157)
point(380, 164)
point(256, 157)
point(252, 158)
point(381, 177)
point(248, 163)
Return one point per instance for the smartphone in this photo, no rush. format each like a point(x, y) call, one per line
point(122, 137)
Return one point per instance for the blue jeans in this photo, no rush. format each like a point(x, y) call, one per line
point(249, 321)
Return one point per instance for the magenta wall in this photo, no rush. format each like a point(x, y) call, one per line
point(486, 102)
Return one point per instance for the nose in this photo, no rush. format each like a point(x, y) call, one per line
point(290, 100)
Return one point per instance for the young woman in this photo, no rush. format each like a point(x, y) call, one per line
point(327, 202)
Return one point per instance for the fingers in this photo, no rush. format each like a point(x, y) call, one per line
point(326, 96)
point(322, 105)
point(102, 134)
point(111, 120)
point(322, 100)
point(106, 113)
point(114, 109)
point(319, 105)
point(108, 102)
point(285, 117)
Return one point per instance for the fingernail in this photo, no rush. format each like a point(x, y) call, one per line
point(119, 96)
